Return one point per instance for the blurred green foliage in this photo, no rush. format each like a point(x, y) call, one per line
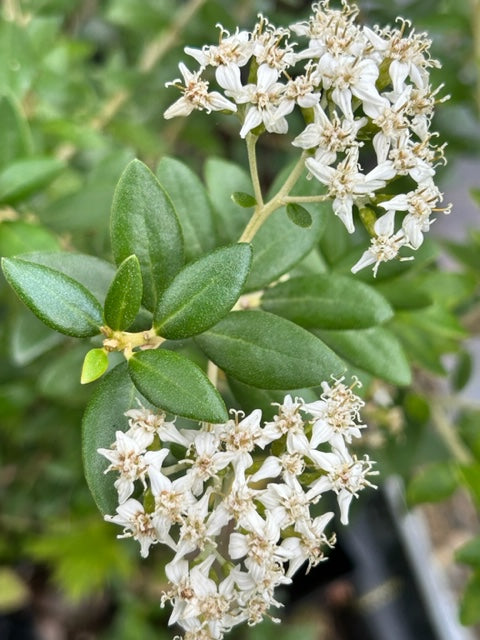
point(81, 94)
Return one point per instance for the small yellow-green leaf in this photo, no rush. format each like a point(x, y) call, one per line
point(94, 365)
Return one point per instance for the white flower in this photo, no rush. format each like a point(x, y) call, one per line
point(289, 422)
point(196, 96)
point(207, 460)
point(346, 183)
point(345, 475)
point(137, 524)
point(309, 545)
point(126, 458)
point(384, 246)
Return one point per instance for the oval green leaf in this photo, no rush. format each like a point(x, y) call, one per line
point(190, 200)
point(124, 297)
point(104, 416)
point(59, 301)
point(94, 273)
point(24, 177)
point(269, 352)
point(327, 302)
point(375, 350)
point(94, 365)
point(18, 236)
point(144, 223)
point(243, 199)
point(299, 215)
point(203, 292)
point(175, 384)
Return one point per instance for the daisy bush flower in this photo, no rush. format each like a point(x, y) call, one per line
point(238, 505)
point(364, 94)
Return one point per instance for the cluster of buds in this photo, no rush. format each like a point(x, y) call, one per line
point(237, 504)
point(366, 99)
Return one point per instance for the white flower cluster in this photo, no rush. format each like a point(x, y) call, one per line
point(366, 97)
point(237, 504)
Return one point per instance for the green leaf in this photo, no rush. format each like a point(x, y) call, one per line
point(265, 351)
point(175, 384)
point(469, 553)
point(29, 338)
point(144, 223)
point(470, 476)
point(327, 302)
point(94, 365)
point(462, 370)
point(59, 301)
point(17, 236)
point(24, 177)
point(190, 200)
point(299, 215)
point(404, 294)
point(124, 296)
point(15, 139)
point(94, 273)
point(243, 199)
point(203, 292)
point(434, 320)
point(104, 416)
point(222, 179)
point(433, 483)
point(375, 350)
point(470, 603)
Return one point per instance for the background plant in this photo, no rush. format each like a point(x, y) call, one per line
point(64, 151)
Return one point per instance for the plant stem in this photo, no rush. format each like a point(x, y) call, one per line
point(300, 199)
point(263, 211)
point(252, 161)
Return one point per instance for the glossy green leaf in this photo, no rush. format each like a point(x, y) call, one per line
point(17, 236)
point(375, 350)
point(59, 301)
point(222, 179)
point(175, 384)
point(433, 483)
point(327, 302)
point(104, 416)
point(94, 273)
point(470, 603)
point(299, 215)
point(24, 177)
point(269, 352)
point(243, 199)
point(94, 365)
point(124, 296)
point(203, 292)
point(144, 223)
point(190, 200)
point(15, 139)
